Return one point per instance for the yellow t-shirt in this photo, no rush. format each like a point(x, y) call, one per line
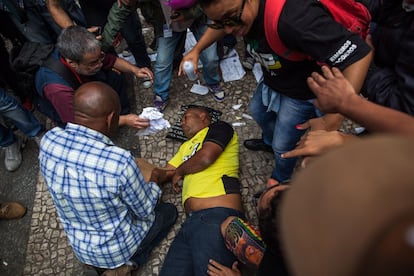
point(209, 182)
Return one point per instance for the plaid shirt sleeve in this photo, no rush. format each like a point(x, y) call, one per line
point(140, 196)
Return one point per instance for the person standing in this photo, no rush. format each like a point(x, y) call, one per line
point(176, 24)
point(282, 104)
point(11, 110)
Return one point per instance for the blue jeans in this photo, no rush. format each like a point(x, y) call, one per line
point(20, 117)
point(165, 217)
point(198, 241)
point(165, 56)
point(277, 115)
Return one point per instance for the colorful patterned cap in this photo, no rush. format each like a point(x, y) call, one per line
point(244, 242)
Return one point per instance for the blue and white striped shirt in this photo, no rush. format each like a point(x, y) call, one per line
point(100, 195)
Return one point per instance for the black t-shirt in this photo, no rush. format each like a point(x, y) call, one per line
point(305, 26)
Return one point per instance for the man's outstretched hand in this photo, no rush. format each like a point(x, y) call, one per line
point(161, 176)
point(175, 182)
point(332, 89)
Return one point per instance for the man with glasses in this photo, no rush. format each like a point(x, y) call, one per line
point(78, 59)
point(282, 101)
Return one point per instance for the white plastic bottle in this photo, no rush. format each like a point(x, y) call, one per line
point(189, 70)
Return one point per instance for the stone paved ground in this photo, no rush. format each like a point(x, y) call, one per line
point(48, 252)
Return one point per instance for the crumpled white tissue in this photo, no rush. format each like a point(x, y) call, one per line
point(157, 121)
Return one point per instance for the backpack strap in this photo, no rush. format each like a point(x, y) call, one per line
point(273, 9)
point(351, 14)
point(354, 16)
point(58, 67)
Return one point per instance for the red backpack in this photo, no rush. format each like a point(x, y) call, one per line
point(353, 15)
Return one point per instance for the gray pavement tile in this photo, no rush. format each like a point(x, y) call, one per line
point(48, 252)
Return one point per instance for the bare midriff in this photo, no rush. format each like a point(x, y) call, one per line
point(232, 201)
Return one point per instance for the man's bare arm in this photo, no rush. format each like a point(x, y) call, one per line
point(203, 158)
point(355, 74)
point(58, 14)
point(336, 94)
point(317, 142)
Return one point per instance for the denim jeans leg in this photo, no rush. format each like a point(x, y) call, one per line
point(285, 137)
point(179, 259)
point(208, 56)
point(211, 246)
point(132, 32)
point(163, 65)
point(265, 119)
point(6, 136)
point(21, 118)
point(198, 241)
point(165, 217)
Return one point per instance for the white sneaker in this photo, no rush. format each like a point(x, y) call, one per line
point(146, 83)
point(13, 156)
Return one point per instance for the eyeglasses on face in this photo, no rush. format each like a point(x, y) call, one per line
point(229, 21)
point(95, 62)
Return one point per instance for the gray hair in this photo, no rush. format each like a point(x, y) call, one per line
point(75, 41)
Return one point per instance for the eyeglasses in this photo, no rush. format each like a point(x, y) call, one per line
point(95, 62)
point(230, 21)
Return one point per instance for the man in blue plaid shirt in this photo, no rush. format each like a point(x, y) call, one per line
point(110, 214)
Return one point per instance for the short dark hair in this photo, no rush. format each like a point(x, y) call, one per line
point(201, 108)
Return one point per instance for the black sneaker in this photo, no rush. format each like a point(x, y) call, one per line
point(257, 145)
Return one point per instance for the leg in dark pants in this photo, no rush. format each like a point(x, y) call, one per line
point(165, 217)
point(132, 32)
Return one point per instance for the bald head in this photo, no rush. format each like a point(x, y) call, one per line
point(95, 105)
